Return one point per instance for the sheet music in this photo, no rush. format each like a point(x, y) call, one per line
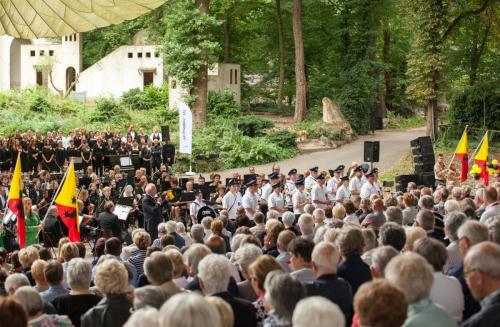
point(122, 211)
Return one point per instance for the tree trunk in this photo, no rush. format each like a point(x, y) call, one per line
point(475, 57)
point(389, 87)
point(226, 40)
point(200, 84)
point(281, 39)
point(300, 76)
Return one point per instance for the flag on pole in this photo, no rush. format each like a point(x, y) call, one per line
point(481, 158)
point(461, 153)
point(185, 128)
point(67, 205)
point(14, 203)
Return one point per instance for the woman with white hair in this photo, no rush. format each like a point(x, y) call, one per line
point(317, 311)
point(146, 317)
point(244, 257)
point(188, 310)
point(282, 294)
point(32, 301)
point(114, 309)
point(412, 274)
point(288, 219)
point(80, 299)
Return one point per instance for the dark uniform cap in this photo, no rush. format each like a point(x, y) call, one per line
point(273, 175)
point(277, 185)
point(339, 168)
point(358, 168)
point(300, 182)
point(252, 182)
point(320, 176)
point(370, 175)
point(344, 178)
point(292, 172)
point(233, 181)
point(315, 169)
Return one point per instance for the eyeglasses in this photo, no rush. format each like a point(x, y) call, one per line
point(467, 273)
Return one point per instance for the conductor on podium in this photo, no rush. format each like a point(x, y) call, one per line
point(152, 211)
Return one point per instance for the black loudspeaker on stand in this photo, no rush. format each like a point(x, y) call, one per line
point(372, 151)
point(165, 133)
point(423, 160)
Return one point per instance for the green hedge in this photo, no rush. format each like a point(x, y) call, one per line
point(253, 126)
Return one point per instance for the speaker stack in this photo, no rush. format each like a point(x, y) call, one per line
point(423, 160)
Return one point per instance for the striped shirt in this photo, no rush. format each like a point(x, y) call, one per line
point(137, 260)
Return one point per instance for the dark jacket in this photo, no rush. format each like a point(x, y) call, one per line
point(53, 228)
point(489, 316)
point(194, 285)
point(109, 222)
point(335, 289)
point(152, 215)
point(244, 311)
point(355, 271)
point(112, 311)
point(471, 306)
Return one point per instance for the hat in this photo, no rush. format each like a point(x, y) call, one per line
point(315, 169)
point(365, 167)
point(320, 176)
point(339, 168)
point(375, 170)
point(369, 175)
point(273, 175)
point(277, 185)
point(358, 168)
point(300, 182)
point(198, 193)
point(252, 182)
point(292, 172)
point(344, 178)
point(233, 181)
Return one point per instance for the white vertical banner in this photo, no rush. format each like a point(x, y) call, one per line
point(185, 128)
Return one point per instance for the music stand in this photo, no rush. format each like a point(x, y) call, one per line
point(187, 197)
point(125, 162)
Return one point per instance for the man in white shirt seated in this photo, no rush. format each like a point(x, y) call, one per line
point(251, 199)
point(318, 193)
point(195, 206)
point(355, 183)
point(232, 199)
point(276, 200)
point(369, 187)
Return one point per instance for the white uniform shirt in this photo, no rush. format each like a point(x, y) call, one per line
point(299, 197)
point(355, 184)
point(318, 193)
point(291, 189)
point(266, 191)
point(342, 194)
point(276, 200)
point(231, 202)
point(368, 189)
point(309, 182)
point(331, 187)
point(250, 201)
point(195, 207)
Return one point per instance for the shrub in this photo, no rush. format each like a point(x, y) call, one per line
point(134, 99)
point(477, 106)
point(222, 104)
point(283, 139)
point(107, 109)
point(253, 126)
point(39, 103)
point(151, 98)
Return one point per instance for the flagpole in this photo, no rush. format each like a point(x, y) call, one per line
point(477, 148)
point(58, 189)
point(454, 153)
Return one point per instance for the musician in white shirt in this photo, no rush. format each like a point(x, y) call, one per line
point(343, 192)
point(290, 184)
point(251, 199)
point(355, 183)
point(369, 187)
point(195, 206)
point(232, 200)
point(318, 193)
point(276, 200)
point(299, 199)
point(334, 182)
point(268, 188)
point(311, 179)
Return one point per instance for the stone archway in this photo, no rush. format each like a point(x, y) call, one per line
point(70, 79)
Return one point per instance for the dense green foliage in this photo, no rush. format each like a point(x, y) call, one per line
point(253, 125)
point(222, 104)
point(476, 106)
point(151, 98)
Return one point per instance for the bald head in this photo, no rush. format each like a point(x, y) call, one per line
point(216, 244)
point(325, 258)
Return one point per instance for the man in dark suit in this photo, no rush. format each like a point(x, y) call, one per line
point(108, 221)
point(482, 272)
point(52, 227)
point(214, 274)
point(152, 211)
point(325, 258)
